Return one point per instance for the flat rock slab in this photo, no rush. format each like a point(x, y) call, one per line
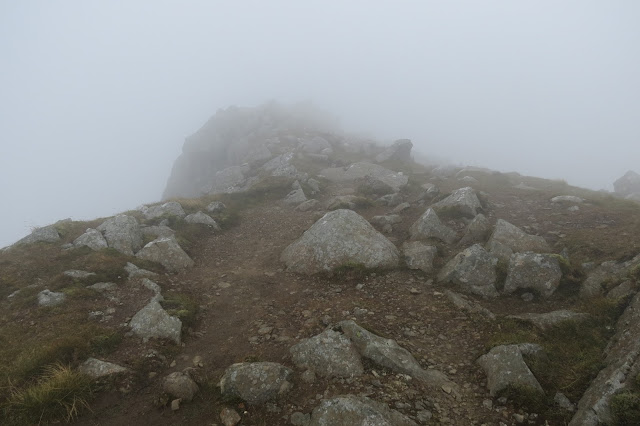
point(548, 320)
point(463, 201)
point(153, 321)
point(505, 367)
point(96, 368)
point(329, 354)
point(533, 271)
point(473, 270)
point(507, 239)
point(351, 410)
point(341, 237)
point(135, 272)
point(256, 382)
point(429, 226)
point(167, 252)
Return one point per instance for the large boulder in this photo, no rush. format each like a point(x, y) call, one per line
point(507, 239)
point(201, 219)
point(477, 231)
point(153, 321)
point(399, 151)
point(92, 238)
point(429, 226)
point(621, 367)
point(167, 252)
point(597, 279)
point(46, 234)
point(122, 233)
point(340, 237)
point(357, 171)
point(419, 255)
point(627, 184)
point(463, 201)
point(533, 271)
point(351, 410)
point(171, 208)
point(329, 354)
point(505, 368)
point(389, 354)
point(473, 270)
point(256, 382)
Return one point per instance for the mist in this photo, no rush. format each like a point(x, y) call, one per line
point(96, 98)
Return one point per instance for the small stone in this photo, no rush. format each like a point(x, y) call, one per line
point(175, 404)
point(197, 361)
point(488, 404)
point(414, 290)
point(423, 416)
point(308, 376)
point(527, 297)
point(447, 388)
point(519, 418)
point(229, 417)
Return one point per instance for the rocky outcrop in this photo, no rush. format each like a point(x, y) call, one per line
point(256, 382)
point(473, 270)
point(360, 170)
point(627, 184)
point(167, 252)
point(399, 151)
point(533, 271)
point(92, 238)
point(356, 410)
point(419, 255)
point(429, 226)
point(505, 367)
point(329, 354)
point(507, 239)
point(463, 202)
point(153, 321)
point(122, 233)
point(339, 238)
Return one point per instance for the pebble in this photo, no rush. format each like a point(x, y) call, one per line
point(229, 417)
point(175, 404)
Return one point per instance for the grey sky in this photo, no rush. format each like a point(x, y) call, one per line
point(96, 97)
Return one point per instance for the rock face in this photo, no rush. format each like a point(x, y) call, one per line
point(226, 181)
point(508, 239)
point(622, 365)
point(46, 234)
point(96, 368)
point(180, 385)
point(550, 319)
point(389, 354)
point(329, 354)
point(399, 151)
point(50, 298)
point(356, 411)
point(429, 226)
point(473, 270)
point(533, 271)
point(627, 184)
point(419, 255)
point(154, 322)
point(167, 252)
point(202, 219)
point(463, 201)
point(341, 237)
point(256, 382)
point(122, 233)
point(505, 367)
point(92, 238)
point(360, 170)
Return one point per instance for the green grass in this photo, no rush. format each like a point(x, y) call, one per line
point(182, 306)
point(625, 408)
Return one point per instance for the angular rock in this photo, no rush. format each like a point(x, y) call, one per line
point(92, 238)
point(153, 321)
point(463, 201)
point(391, 219)
point(463, 303)
point(122, 233)
point(390, 200)
point(203, 219)
point(430, 192)
point(229, 417)
point(295, 197)
point(50, 298)
point(597, 278)
point(227, 181)
point(505, 367)
point(307, 205)
point(429, 226)
point(623, 290)
point(473, 270)
point(622, 365)
point(399, 151)
point(548, 320)
point(533, 271)
point(135, 272)
point(507, 239)
point(281, 166)
point(356, 171)
point(96, 368)
point(256, 382)
point(389, 354)
point(180, 385)
point(354, 410)
point(216, 207)
point(171, 208)
point(627, 184)
point(167, 252)
point(400, 208)
point(350, 202)
point(477, 231)
point(328, 354)
point(419, 255)
point(340, 237)
point(373, 186)
point(316, 145)
point(46, 234)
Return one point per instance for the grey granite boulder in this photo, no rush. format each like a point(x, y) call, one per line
point(256, 382)
point(281, 166)
point(399, 151)
point(122, 233)
point(295, 197)
point(92, 238)
point(180, 385)
point(167, 252)
point(623, 290)
point(216, 207)
point(340, 237)
point(134, 272)
point(356, 171)
point(419, 255)
point(50, 298)
point(477, 231)
point(202, 219)
point(351, 410)
point(227, 181)
point(389, 354)
point(473, 270)
point(533, 271)
point(547, 320)
point(153, 321)
point(78, 274)
point(597, 279)
point(463, 303)
point(505, 367)
point(96, 368)
point(170, 208)
point(307, 205)
point(429, 226)
point(46, 234)
point(157, 231)
point(507, 239)
point(372, 186)
point(328, 354)
point(463, 201)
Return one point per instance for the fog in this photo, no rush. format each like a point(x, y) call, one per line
point(96, 97)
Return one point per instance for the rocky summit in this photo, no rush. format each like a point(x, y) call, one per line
point(294, 274)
